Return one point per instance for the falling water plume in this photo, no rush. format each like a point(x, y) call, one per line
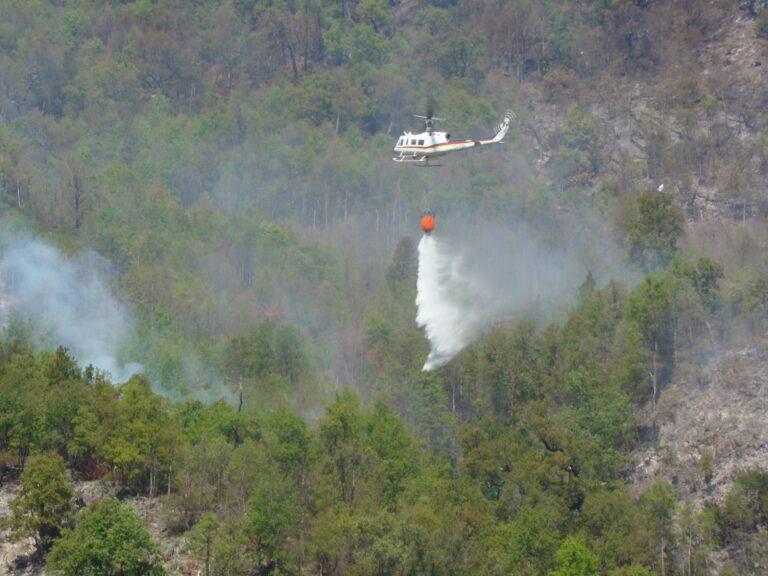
point(449, 303)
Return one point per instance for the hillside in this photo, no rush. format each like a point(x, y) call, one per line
point(710, 426)
point(209, 266)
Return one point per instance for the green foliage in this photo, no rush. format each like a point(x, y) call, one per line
point(658, 502)
point(400, 274)
point(21, 406)
point(232, 161)
point(617, 528)
point(141, 438)
point(574, 558)
point(341, 429)
point(697, 533)
point(201, 538)
point(200, 479)
point(43, 506)
point(271, 518)
point(576, 158)
point(631, 571)
point(288, 440)
point(271, 493)
point(746, 506)
point(268, 350)
point(62, 367)
point(533, 539)
point(706, 277)
point(396, 451)
point(650, 309)
point(654, 230)
point(110, 538)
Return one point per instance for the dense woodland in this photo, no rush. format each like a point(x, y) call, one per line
point(231, 159)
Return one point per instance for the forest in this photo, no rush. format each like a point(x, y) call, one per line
point(214, 178)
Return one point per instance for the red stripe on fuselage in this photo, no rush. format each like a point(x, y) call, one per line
point(442, 145)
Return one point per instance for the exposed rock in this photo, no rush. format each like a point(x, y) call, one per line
point(711, 424)
point(721, 90)
point(16, 556)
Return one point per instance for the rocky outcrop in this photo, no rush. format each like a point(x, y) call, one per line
point(711, 424)
point(15, 555)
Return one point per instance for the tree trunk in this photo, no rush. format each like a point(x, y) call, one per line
point(294, 66)
point(654, 377)
point(152, 472)
point(78, 196)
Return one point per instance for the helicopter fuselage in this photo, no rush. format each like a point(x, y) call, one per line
point(421, 146)
point(416, 147)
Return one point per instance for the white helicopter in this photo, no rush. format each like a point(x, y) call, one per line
point(421, 147)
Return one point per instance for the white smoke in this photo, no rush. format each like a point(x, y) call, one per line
point(70, 300)
point(467, 285)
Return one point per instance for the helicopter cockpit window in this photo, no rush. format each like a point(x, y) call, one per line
point(421, 142)
point(413, 141)
point(400, 142)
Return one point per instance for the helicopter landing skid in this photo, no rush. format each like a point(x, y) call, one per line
point(420, 161)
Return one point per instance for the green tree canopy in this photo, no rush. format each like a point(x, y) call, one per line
point(574, 558)
point(44, 504)
point(653, 231)
point(110, 538)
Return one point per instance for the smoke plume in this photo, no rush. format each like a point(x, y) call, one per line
point(68, 301)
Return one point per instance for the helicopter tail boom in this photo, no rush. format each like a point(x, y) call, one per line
point(503, 128)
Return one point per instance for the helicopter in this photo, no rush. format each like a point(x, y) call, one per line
point(420, 147)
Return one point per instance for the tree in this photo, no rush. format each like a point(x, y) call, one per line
point(659, 504)
point(532, 539)
point(631, 571)
point(341, 430)
point(395, 448)
point(21, 404)
point(616, 530)
point(574, 558)
point(201, 537)
point(746, 506)
point(650, 308)
point(270, 519)
point(44, 504)
point(78, 189)
point(110, 538)
point(199, 477)
point(696, 532)
point(706, 276)
point(142, 436)
point(653, 232)
point(576, 158)
point(401, 272)
point(61, 367)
